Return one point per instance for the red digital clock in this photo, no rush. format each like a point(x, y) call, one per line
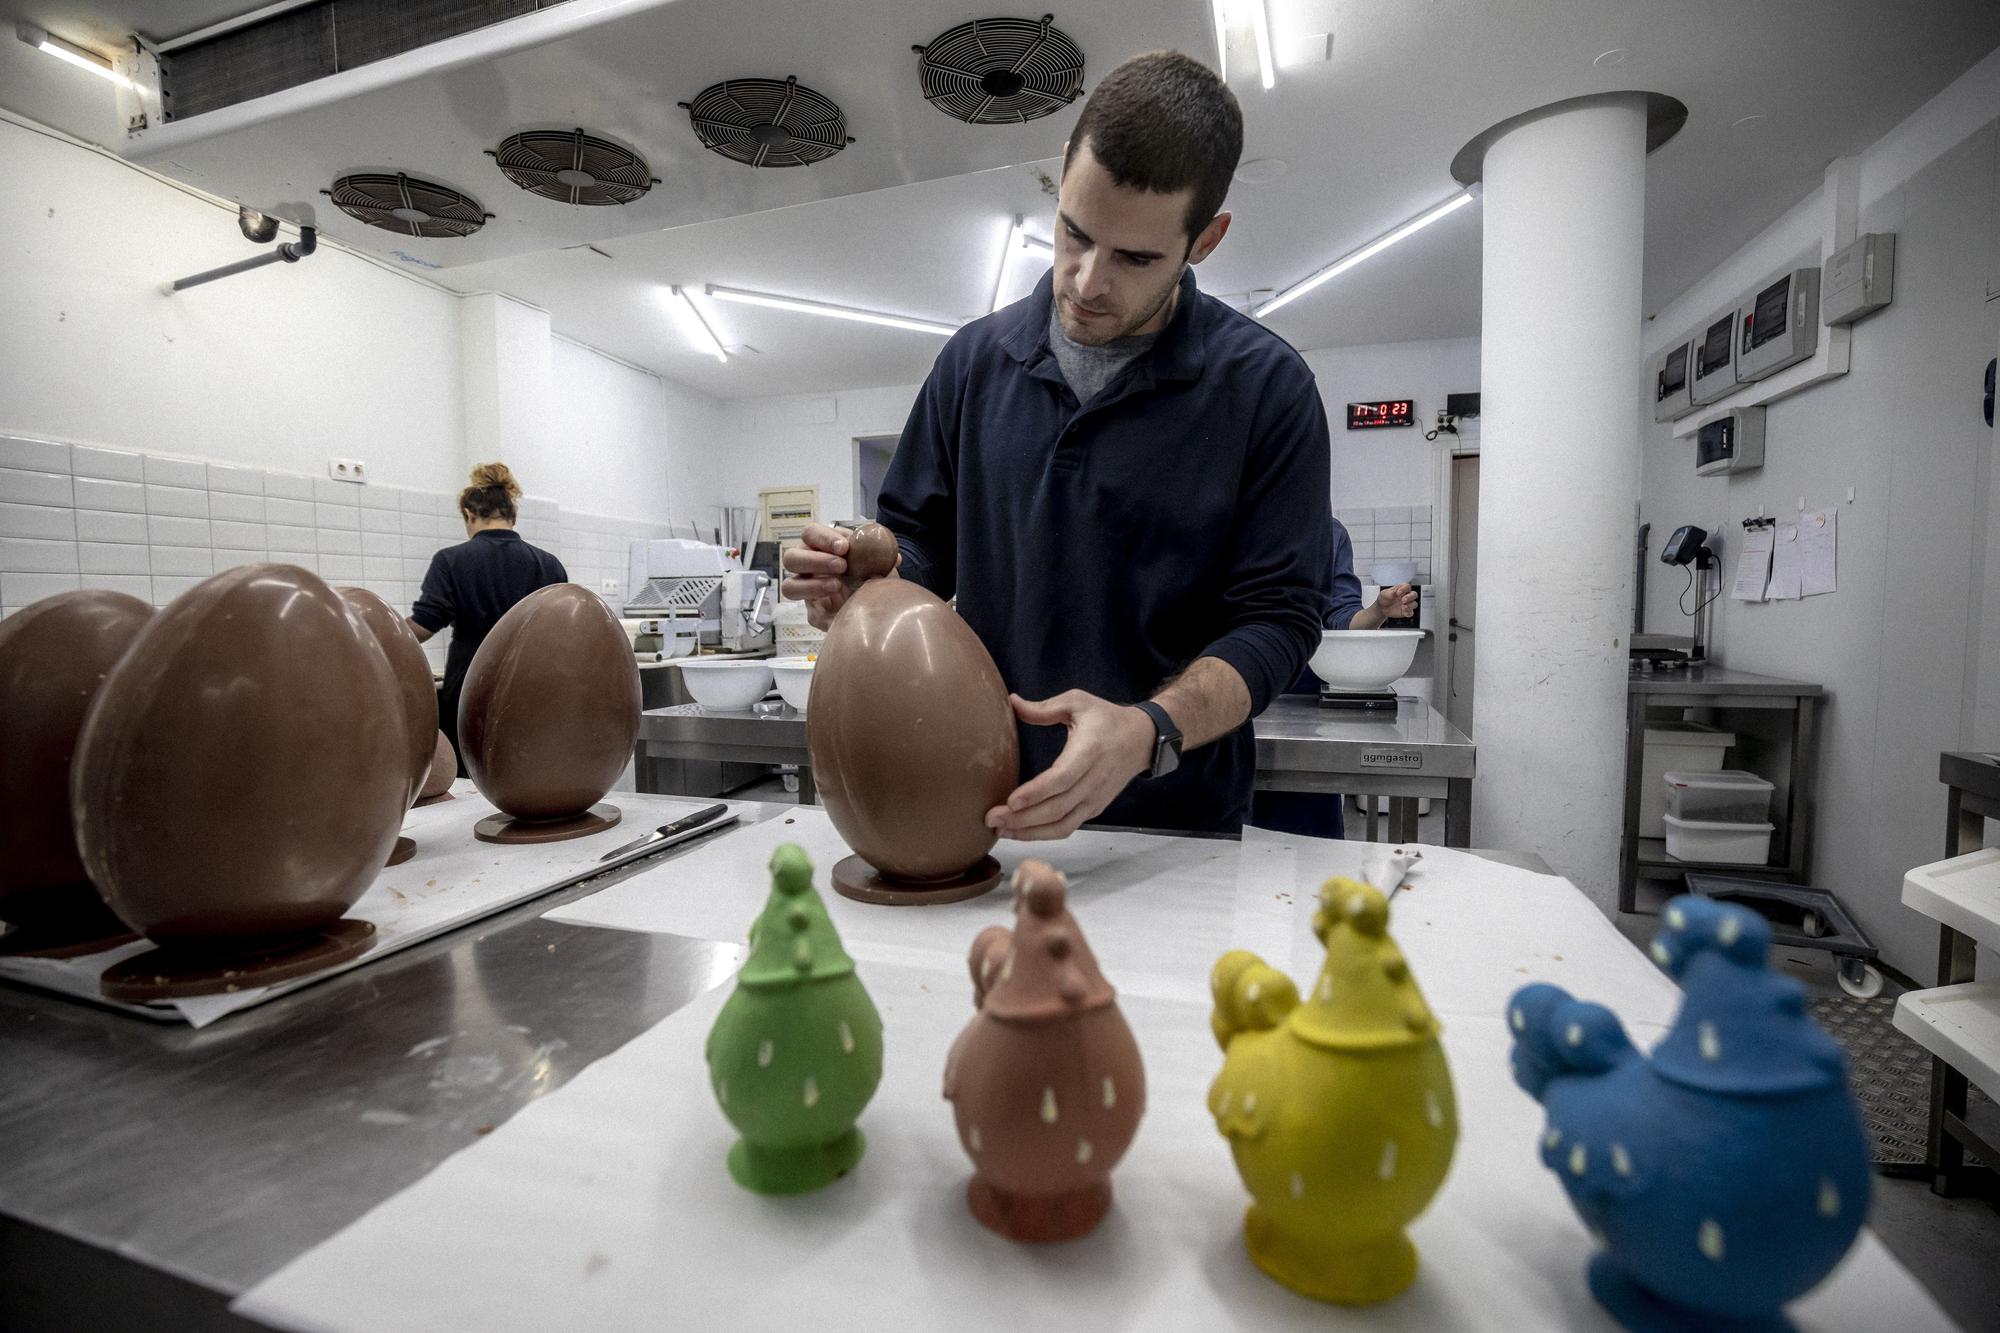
point(1388, 412)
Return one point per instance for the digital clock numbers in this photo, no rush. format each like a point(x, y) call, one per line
point(1388, 412)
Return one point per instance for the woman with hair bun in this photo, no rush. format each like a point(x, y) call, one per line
point(471, 585)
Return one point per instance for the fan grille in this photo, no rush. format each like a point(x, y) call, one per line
point(394, 202)
point(1002, 71)
point(768, 123)
point(573, 167)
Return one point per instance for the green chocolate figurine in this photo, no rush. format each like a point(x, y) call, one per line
point(796, 1052)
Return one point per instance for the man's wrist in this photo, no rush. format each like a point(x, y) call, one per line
point(1144, 738)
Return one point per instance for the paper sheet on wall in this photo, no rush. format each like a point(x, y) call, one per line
point(1817, 529)
point(1753, 565)
point(1784, 583)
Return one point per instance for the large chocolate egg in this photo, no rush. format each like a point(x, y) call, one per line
point(415, 689)
point(444, 770)
point(911, 736)
point(54, 656)
point(550, 708)
point(245, 767)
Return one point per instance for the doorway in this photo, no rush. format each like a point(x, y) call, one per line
point(871, 464)
point(1464, 582)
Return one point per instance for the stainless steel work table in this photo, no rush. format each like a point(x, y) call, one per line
point(1776, 723)
point(152, 1173)
point(1301, 746)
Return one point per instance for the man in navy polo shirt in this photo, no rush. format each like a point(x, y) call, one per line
point(1123, 482)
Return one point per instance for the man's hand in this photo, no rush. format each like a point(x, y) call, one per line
point(1109, 745)
point(816, 566)
point(1397, 603)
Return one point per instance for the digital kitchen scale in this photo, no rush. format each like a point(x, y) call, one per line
point(1362, 699)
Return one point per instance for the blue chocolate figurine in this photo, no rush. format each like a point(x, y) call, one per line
point(1723, 1176)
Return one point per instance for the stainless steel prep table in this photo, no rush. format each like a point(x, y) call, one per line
point(1301, 746)
point(164, 1171)
point(1776, 721)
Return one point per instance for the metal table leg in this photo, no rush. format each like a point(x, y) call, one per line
point(1458, 813)
point(1635, 759)
point(808, 789)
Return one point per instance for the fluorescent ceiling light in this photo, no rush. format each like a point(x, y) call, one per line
point(1368, 251)
point(831, 311)
point(70, 53)
point(1017, 239)
point(1248, 23)
point(701, 334)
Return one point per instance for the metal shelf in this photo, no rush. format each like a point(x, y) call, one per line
point(1959, 1025)
point(1654, 863)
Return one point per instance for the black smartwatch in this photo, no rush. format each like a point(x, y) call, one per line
point(1166, 742)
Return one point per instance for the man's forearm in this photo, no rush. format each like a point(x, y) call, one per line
point(1368, 617)
point(1207, 701)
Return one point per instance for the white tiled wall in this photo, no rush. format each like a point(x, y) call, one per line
point(73, 516)
point(1402, 533)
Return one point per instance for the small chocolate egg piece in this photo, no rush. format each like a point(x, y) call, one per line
point(444, 768)
point(242, 773)
point(415, 689)
point(871, 553)
point(911, 735)
point(550, 707)
point(54, 656)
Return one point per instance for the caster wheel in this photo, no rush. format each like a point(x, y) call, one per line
point(1812, 926)
point(1861, 980)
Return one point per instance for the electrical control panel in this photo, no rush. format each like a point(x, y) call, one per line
point(1732, 442)
point(1713, 350)
point(1778, 324)
point(1860, 279)
point(1673, 381)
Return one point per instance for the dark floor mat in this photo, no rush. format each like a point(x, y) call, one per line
point(1889, 1073)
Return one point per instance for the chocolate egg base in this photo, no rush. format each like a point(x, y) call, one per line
point(507, 829)
point(404, 850)
point(1039, 1218)
point(184, 973)
point(855, 878)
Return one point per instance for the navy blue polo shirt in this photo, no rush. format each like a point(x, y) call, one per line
point(1181, 513)
point(470, 586)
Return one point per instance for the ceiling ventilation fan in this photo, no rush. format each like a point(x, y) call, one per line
point(395, 202)
point(768, 122)
point(1001, 71)
point(573, 167)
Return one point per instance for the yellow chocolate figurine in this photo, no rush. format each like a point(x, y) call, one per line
point(1339, 1109)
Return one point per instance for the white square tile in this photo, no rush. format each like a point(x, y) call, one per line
point(417, 502)
point(288, 485)
point(112, 558)
point(389, 590)
point(285, 537)
point(444, 506)
point(231, 559)
point(381, 520)
point(1392, 550)
point(31, 555)
point(381, 543)
point(37, 521)
point(166, 587)
point(171, 531)
point(303, 559)
point(380, 497)
point(182, 560)
point(415, 571)
point(132, 585)
point(333, 541)
point(26, 589)
point(33, 455)
point(116, 464)
point(238, 480)
point(35, 488)
point(328, 491)
point(178, 501)
point(98, 525)
point(420, 525)
point(298, 513)
point(176, 472)
point(240, 536)
point(1392, 532)
point(236, 507)
point(127, 497)
point(382, 567)
point(344, 568)
point(336, 516)
point(419, 548)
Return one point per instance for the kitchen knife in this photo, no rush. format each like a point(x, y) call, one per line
point(666, 831)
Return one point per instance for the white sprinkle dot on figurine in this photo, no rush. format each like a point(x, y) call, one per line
point(1621, 1161)
point(1552, 1139)
point(1298, 1186)
point(1829, 1199)
point(1579, 1160)
point(1660, 954)
point(846, 1038)
point(1730, 930)
point(1083, 1150)
point(765, 1050)
point(1710, 1239)
point(1110, 1093)
point(812, 1092)
point(1387, 1170)
point(1048, 1106)
point(1432, 1111)
point(1250, 1102)
point(1709, 1040)
point(1254, 992)
point(1677, 918)
point(1520, 1020)
point(1574, 1034)
point(973, 1138)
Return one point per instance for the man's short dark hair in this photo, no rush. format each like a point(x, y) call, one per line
point(1164, 122)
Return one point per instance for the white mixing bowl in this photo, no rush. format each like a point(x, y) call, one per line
point(795, 679)
point(1365, 659)
point(731, 686)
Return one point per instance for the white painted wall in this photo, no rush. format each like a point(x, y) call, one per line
point(1373, 469)
point(794, 440)
point(1907, 648)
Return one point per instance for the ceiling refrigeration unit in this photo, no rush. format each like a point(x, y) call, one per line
point(1001, 71)
point(411, 207)
point(768, 122)
point(573, 167)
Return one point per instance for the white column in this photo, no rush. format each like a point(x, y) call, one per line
point(505, 383)
point(1564, 203)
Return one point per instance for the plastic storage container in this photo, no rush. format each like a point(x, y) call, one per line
point(1729, 796)
point(1676, 747)
point(1716, 843)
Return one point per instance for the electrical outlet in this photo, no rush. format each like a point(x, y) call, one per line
point(609, 587)
point(347, 469)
